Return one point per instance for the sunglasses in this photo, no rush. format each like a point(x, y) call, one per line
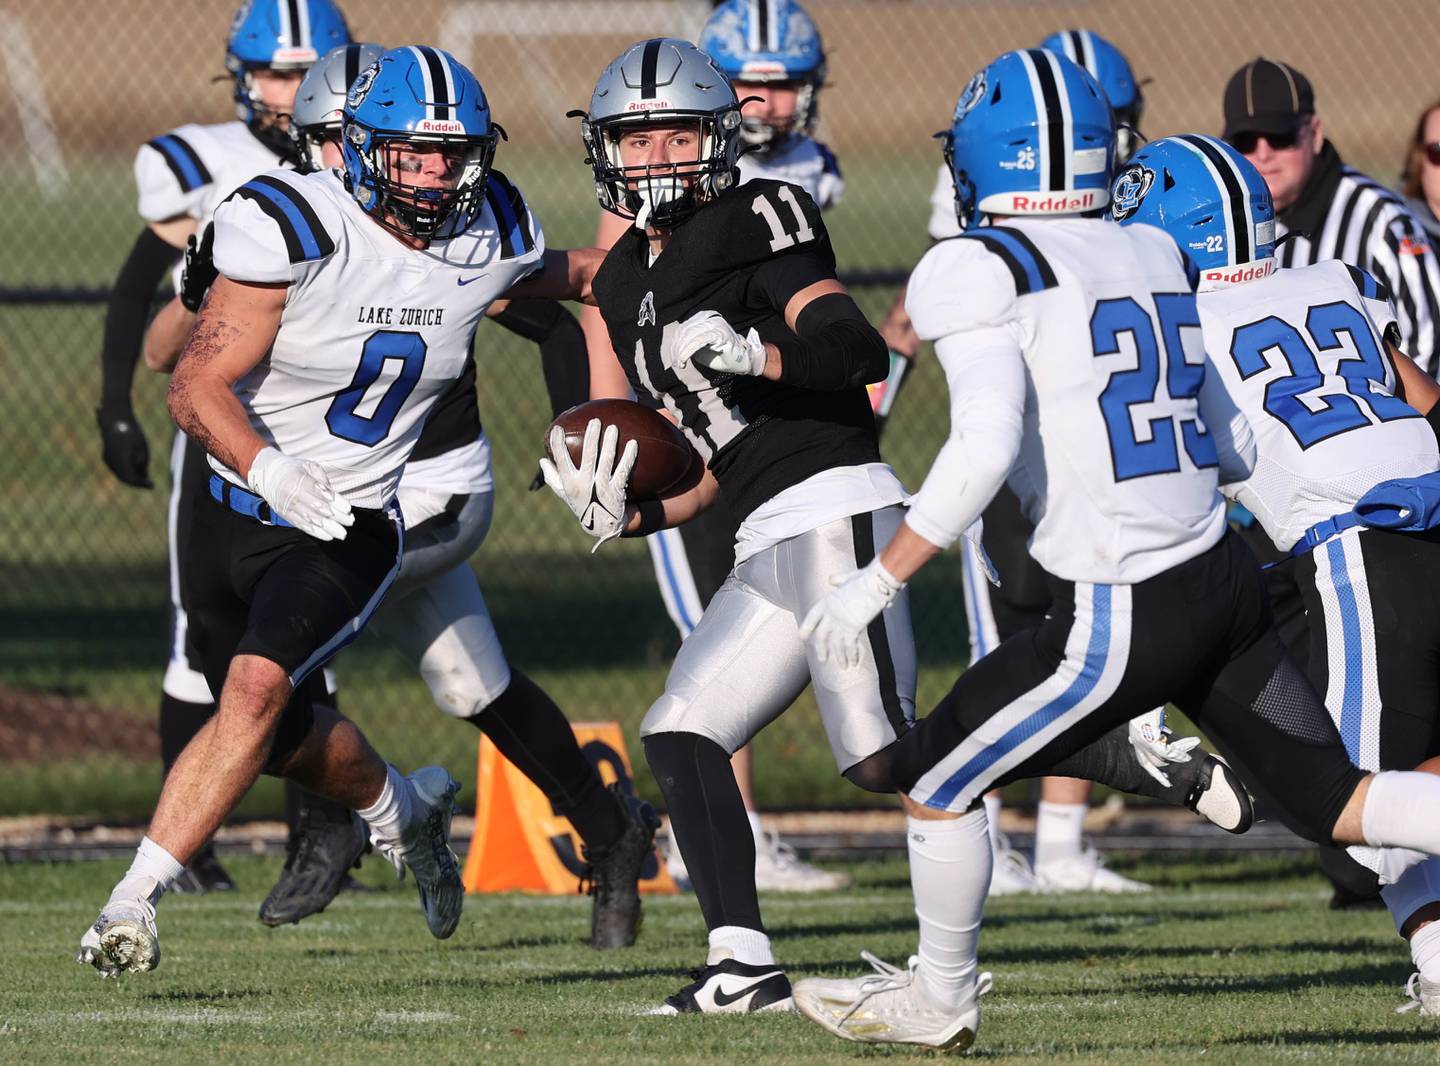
point(1245, 143)
point(1432, 154)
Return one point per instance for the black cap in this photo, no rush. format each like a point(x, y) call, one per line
point(1266, 96)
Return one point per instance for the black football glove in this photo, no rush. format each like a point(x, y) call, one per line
point(124, 448)
point(199, 273)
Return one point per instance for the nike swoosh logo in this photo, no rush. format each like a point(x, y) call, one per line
point(722, 999)
point(467, 281)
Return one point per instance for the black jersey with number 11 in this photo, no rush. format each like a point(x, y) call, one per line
point(742, 256)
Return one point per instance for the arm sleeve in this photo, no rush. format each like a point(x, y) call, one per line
point(835, 347)
point(563, 357)
point(127, 313)
point(958, 286)
point(1403, 259)
point(985, 371)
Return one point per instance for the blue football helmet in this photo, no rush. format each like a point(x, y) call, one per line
point(769, 41)
point(277, 35)
point(414, 98)
point(1032, 135)
point(1112, 70)
point(1211, 201)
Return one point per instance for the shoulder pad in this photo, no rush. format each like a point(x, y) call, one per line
point(519, 230)
point(828, 158)
point(1366, 285)
point(752, 222)
point(963, 283)
point(171, 174)
point(266, 228)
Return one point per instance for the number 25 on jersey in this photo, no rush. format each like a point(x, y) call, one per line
point(1160, 452)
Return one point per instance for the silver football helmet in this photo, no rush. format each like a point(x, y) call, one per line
point(661, 82)
point(321, 97)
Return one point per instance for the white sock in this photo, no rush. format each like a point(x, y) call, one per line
point(750, 946)
point(150, 875)
point(1417, 887)
point(1057, 831)
point(949, 875)
point(992, 819)
point(1425, 950)
point(392, 810)
point(755, 827)
point(1390, 819)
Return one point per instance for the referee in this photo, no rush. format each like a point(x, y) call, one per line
point(1330, 210)
point(1327, 210)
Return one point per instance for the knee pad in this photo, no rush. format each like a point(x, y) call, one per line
point(873, 773)
point(465, 675)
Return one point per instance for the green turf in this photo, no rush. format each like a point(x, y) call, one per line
point(1231, 960)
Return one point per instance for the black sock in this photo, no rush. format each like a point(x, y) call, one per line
point(179, 722)
point(528, 729)
point(707, 818)
point(1111, 760)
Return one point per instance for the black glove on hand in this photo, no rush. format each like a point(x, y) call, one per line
point(124, 448)
point(199, 273)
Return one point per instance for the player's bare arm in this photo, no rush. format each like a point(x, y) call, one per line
point(165, 339)
point(565, 275)
point(607, 376)
point(1416, 387)
point(232, 335)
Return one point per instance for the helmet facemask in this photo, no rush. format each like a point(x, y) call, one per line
point(271, 127)
point(762, 137)
point(662, 195)
point(416, 210)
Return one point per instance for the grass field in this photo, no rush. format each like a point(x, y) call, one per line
point(1228, 961)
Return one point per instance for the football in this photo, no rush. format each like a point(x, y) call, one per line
point(663, 456)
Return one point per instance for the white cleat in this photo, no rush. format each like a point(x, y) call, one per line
point(122, 940)
point(779, 869)
point(1422, 996)
point(425, 848)
point(1085, 872)
point(890, 1007)
point(1010, 873)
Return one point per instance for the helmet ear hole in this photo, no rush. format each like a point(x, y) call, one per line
point(1169, 182)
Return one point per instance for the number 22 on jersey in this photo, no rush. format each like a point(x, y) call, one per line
point(1160, 452)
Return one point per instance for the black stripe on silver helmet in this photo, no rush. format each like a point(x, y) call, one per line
point(661, 82)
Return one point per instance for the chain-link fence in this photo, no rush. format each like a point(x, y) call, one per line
point(83, 571)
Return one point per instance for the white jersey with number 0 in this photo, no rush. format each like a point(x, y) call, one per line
point(373, 331)
point(1115, 467)
point(1299, 365)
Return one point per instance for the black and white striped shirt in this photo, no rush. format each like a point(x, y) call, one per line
point(1344, 214)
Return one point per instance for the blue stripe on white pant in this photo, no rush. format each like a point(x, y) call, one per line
point(979, 612)
point(1352, 693)
point(1097, 652)
point(677, 583)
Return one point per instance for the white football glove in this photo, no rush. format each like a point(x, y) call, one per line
point(835, 624)
point(595, 490)
point(710, 341)
point(1150, 737)
point(299, 491)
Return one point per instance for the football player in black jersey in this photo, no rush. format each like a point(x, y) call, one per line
point(722, 303)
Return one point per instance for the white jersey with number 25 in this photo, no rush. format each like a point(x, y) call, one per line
point(1115, 465)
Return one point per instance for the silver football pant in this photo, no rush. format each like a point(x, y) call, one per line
point(745, 663)
point(436, 616)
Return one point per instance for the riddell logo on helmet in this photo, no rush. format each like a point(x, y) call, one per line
point(438, 125)
point(1055, 203)
point(284, 56)
point(648, 105)
point(1234, 275)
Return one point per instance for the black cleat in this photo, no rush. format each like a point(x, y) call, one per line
point(318, 859)
point(1343, 899)
point(203, 874)
point(1215, 792)
point(614, 875)
point(729, 987)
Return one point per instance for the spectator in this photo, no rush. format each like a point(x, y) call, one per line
point(1420, 180)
